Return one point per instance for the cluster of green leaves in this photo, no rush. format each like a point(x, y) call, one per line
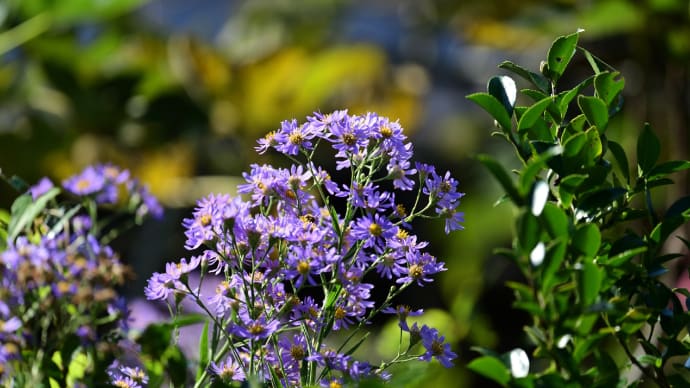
point(588, 239)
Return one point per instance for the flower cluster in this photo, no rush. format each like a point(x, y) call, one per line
point(296, 252)
point(59, 281)
point(107, 184)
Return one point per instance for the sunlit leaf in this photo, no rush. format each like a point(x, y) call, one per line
point(533, 113)
point(537, 80)
point(560, 54)
point(595, 110)
point(491, 368)
point(504, 90)
point(494, 107)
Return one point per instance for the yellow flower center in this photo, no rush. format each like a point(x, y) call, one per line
point(386, 131)
point(416, 271)
point(375, 229)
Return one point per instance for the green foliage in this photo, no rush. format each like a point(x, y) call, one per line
point(588, 239)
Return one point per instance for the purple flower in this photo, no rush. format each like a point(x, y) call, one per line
point(435, 347)
point(292, 137)
point(420, 268)
point(228, 370)
point(254, 329)
point(87, 182)
point(453, 218)
point(373, 230)
point(160, 286)
point(40, 188)
point(178, 271)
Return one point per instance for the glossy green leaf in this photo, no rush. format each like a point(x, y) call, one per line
point(622, 160)
point(587, 239)
point(595, 110)
point(529, 232)
point(608, 87)
point(24, 211)
point(624, 257)
point(533, 113)
point(494, 107)
point(504, 90)
point(555, 255)
point(555, 221)
point(574, 144)
point(491, 368)
point(590, 282)
point(663, 169)
point(591, 151)
point(537, 80)
point(648, 150)
point(561, 52)
point(502, 177)
point(568, 186)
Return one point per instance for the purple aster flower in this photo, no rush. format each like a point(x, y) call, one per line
point(420, 268)
point(178, 271)
point(160, 286)
point(87, 182)
point(453, 218)
point(254, 329)
point(228, 370)
point(292, 137)
point(373, 230)
point(399, 170)
point(268, 141)
point(435, 347)
point(347, 138)
point(40, 188)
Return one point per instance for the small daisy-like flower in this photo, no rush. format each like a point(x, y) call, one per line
point(87, 182)
point(373, 230)
point(435, 347)
point(228, 370)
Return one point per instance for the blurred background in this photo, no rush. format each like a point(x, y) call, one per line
point(179, 91)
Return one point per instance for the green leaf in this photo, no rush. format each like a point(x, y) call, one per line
point(494, 107)
point(567, 187)
point(622, 160)
point(537, 80)
point(592, 149)
point(590, 282)
point(595, 110)
point(560, 54)
point(574, 144)
point(528, 231)
point(203, 352)
point(555, 221)
point(663, 169)
point(624, 257)
point(648, 150)
point(503, 178)
point(587, 239)
point(607, 87)
point(533, 113)
point(491, 368)
point(555, 255)
point(24, 211)
point(504, 90)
